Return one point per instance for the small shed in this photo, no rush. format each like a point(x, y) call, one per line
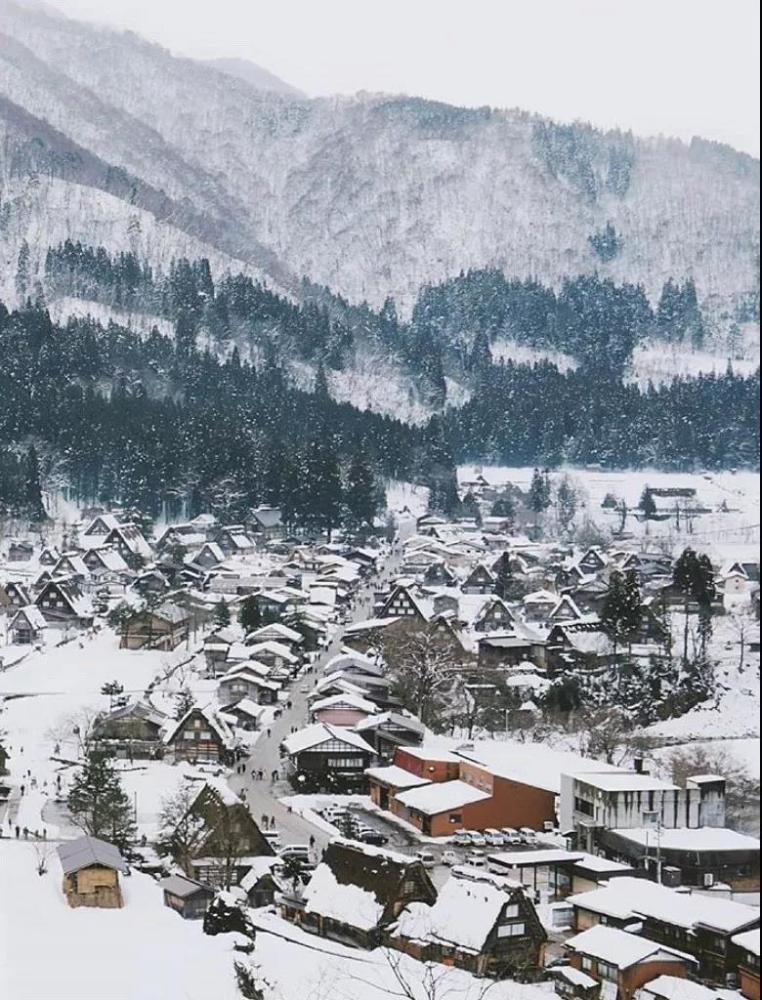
point(191, 899)
point(27, 625)
point(91, 869)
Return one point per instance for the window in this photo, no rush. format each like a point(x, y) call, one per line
point(584, 807)
point(456, 817)
point(587, 964)
point(511, 912)
point(344, 763)
point(512, 930)
point(608, 972)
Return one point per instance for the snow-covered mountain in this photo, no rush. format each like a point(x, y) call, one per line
point(371, 195)
point(259, 77)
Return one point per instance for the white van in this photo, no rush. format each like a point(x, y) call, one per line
point(426, 858)
point(297, 852)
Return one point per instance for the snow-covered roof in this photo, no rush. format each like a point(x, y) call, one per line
point(183, 887)
point(213, 719)
point(532, 764)
point(616, 780)
point(439, 797)
point(536, 859)
point(395, 777)
point(345, 700)
point(369, 625)
point(705, 838)
point(462, 916)
point(259, 867)
point(576, 977)
point(110, 558)
point(275, 648)
point(749, 941)
point(33, 616)
point(248, 707)
point(311, 738)
point(276, 629)
point(632, 898)
point(673, 988)
point(620, 949)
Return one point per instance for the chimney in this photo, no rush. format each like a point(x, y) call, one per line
point(639, 764)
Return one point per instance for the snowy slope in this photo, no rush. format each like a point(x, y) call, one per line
point(378, 195)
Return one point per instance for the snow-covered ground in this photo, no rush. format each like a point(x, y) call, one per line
point(523, 354)
point(656, 361)
point(54, 691)
point(143, 951)
point(67, 308)
point(730, 531)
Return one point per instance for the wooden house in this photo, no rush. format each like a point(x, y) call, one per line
point(227, 837)
point(129, 541)
point(267, 521)
point(202, 736)
point(209, 555)
point(259, 883)
point(747, 950)
point(100, 526)
point(133, 731)
point(389, 882)
point(234, 541)
point(63, 604)
point(249, 680)
point(107, 567)
point(20, 551)
point(495, 616)
point(482, 923)
point(27, 626)
point(14, 594)
point(328, 757)
point(389, 731)
point(402, 603)
point(186, 896)
point(91, 870)
point(439, 574)
point(622, 962)
point(481, 580)
point(165, 627)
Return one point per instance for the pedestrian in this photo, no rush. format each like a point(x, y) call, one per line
point(18, 831)
point(268, 734)
point(264, 821)
point(312, 843)
point(261, 775)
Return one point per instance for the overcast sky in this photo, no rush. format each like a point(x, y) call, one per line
point(679, 67)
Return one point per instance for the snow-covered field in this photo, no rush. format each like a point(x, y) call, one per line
point(50, 694)
point(67, 308)
point(727, 534)
point(523, 354)
point(143, 951)
point(656, 361)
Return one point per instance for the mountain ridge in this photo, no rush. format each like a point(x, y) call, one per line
point(378, 195)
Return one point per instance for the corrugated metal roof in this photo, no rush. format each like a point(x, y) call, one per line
point(87, 851)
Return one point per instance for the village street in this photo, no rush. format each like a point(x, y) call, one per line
point(263, 797)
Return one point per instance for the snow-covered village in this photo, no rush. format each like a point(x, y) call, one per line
point(379, 500)
point(518, 747)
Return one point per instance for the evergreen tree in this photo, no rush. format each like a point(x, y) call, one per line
point(221, 613)
point(539, 492)
point(693, 578)
point(361, 495)
point(504, 577)
point(99, 805)
point(615, 613)
point(632, 619)
point(249, 615)
point(647, 504)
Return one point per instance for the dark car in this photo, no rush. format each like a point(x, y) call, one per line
point(373, 837)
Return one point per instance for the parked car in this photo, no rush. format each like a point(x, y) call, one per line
point(273, 838)
point(477, 839)
point(450, 858)
point(374, 837)
point(475, 859)
point(512, 836)
point(528, 836)
point(494, 838)
point(426, 858)
point(462, 838)
point(297, 852)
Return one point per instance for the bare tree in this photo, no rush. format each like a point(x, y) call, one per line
point(743, 625)
point(181, 831)
point(425, 664)
point(415, 980)
point(743, 789)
